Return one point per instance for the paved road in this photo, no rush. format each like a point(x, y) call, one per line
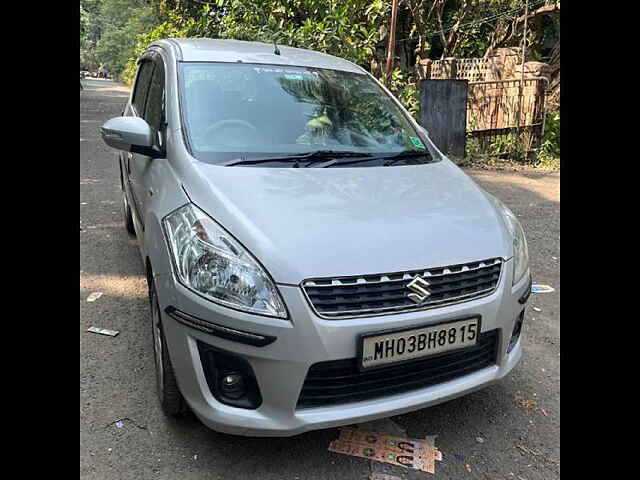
point(517, 420)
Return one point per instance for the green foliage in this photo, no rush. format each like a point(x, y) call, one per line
point(115, 32)
point(127, 19)
point(502, 149)
point(404, 87)
point(356, 30)
point(173, 26)
point(349, 30)
point(509, 149)
point(84, 26)
point(551, 137)
point(509, 146)
point(549, 153)
point(473, 149)
point(143, 40)
point(90, 29)
point(88, 60)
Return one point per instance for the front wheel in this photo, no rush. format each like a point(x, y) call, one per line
point(171, 400)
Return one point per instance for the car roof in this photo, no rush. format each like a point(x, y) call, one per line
point(232, 51)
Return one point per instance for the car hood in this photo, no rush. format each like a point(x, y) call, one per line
point(322, 222)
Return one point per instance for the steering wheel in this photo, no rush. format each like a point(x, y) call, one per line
point(211, 129)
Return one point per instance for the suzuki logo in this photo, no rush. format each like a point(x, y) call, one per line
point(419, 286)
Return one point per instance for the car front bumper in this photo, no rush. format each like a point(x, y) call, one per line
point(305, 339)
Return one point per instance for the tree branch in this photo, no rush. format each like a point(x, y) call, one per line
point(453, 36)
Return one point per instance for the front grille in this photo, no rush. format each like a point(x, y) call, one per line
point(388, 293)
point(340, 381)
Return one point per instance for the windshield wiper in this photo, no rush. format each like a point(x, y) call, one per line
point(408, 154)
point(392, 156)
point(405, 154)
point(312, 157)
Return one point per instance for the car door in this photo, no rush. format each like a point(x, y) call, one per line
point(154, 114)
point(132, 160)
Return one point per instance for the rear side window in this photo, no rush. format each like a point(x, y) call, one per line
point(142, 86)
point(154, 107)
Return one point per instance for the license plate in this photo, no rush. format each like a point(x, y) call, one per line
point(380, 349)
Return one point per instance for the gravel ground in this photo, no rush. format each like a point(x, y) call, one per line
point(507, 431)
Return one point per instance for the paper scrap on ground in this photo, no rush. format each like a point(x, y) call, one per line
point(94, 296)
point(402, 452)
point(103, 331)
point(542, 289)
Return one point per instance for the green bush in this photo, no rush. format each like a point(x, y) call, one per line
point(174, 26)
point(350, 30)
point(551, 137)
point(404, 88)
point(509, 146)
point(164, 30)
point(549, 154)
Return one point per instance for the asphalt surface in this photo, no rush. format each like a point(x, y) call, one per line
point(507, 431)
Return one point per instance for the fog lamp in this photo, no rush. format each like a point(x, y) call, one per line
point(232, 385)
point(230, 377)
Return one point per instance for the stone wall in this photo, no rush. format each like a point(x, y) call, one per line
point(503, 64)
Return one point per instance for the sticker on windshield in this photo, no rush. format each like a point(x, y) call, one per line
point(296, 76)
point(417, 142)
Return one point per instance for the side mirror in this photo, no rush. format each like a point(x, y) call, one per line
point(131, 134)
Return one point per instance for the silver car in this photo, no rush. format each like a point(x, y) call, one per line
point(313, 259)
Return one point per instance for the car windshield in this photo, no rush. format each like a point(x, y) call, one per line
point(247, 111)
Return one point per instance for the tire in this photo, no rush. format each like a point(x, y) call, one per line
point(171, 400)
point(128, 218)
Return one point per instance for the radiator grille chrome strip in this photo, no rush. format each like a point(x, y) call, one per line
point(338, 281)
point(448, 276)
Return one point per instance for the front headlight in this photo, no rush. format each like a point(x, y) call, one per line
point(210, 262)
point(520, 249)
